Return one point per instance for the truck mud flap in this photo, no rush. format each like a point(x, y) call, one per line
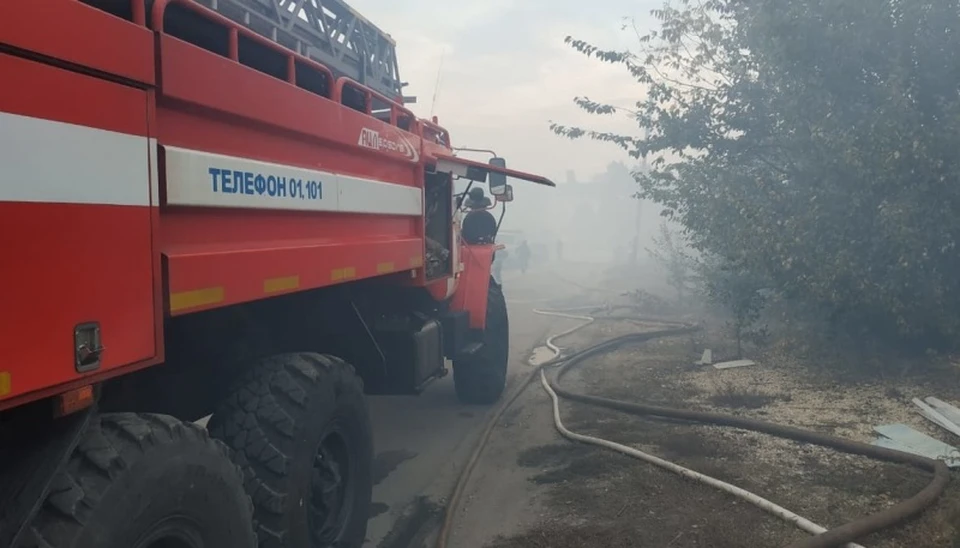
point(28, 464)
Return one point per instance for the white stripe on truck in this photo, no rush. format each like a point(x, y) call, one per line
point(46, 161)
point(196, 178)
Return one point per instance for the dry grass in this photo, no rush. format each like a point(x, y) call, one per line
point(730, 394)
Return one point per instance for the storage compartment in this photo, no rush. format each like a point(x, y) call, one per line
point(413, 351)
point(456, 326)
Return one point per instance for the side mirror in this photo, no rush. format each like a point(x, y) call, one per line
point(507, 195)
point(497, 180)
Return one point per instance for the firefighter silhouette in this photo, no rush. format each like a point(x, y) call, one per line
point(479, 226)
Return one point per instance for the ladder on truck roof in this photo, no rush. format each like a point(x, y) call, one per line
point(327, 31)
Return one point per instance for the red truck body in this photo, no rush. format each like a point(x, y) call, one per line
point(222, 210)
point(153, 168)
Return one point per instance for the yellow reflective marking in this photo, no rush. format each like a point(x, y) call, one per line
point(416, 262)
point(383, 268)
point(284, 283)
point(345, 273)
point(6, 384)
point(195, 298)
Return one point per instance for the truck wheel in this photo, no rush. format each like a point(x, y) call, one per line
point(300, 430)
point(481, 377)
point(145, 481)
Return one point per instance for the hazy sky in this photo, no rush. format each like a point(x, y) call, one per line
point(507, 73)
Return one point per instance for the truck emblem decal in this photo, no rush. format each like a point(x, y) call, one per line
point(371, 138)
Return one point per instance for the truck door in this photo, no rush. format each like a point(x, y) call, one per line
point(76, 269)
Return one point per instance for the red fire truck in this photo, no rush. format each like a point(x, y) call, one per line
point(222, 209)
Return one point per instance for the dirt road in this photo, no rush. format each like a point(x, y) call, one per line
point(422, 442)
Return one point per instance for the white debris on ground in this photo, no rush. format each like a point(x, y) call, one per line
point(903, 438)
point(950, 412)
point(706, 359)
point(734, 363)
point(940, 413)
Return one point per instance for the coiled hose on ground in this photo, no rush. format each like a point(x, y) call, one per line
point(838, 536)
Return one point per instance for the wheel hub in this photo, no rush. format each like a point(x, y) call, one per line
point(330, 500)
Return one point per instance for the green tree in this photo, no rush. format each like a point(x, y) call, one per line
point(741, 290)
point(671, 253)
point(810, 144)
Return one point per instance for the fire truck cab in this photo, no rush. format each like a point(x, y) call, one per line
point(220, 209)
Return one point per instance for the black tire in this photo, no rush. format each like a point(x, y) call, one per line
point(299, 427)
point(480, 378)
point(145, 481)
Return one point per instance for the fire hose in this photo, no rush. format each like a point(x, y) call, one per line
point(822, 538)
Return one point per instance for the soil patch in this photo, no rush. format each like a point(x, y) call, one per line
point(598, 498)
